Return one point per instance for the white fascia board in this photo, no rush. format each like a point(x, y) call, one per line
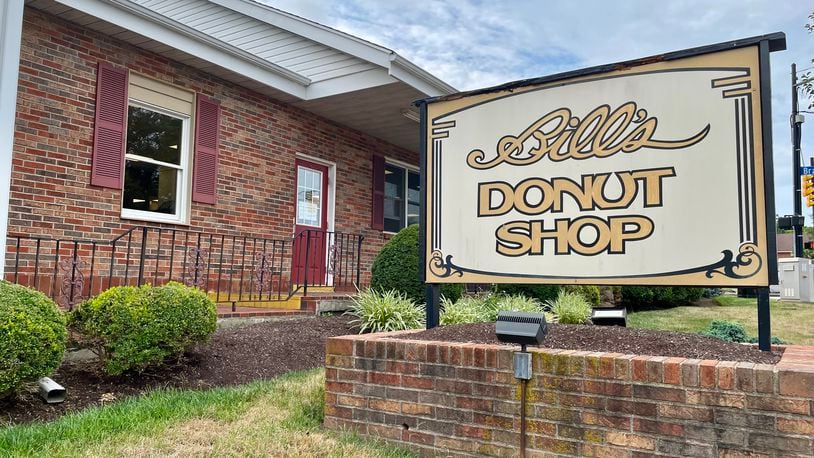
point(398, 66)
point(319, 33)
point(417, 77)
point(11, 27)
point(147, 23)
point(355, 82)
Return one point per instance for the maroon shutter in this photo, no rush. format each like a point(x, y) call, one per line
point(205, 173)
point(110, 127)
point(378, 193)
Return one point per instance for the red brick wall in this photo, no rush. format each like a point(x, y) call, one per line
point(50, 190)
point(463, 400)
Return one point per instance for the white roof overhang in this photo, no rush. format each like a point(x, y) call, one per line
point(335, 75)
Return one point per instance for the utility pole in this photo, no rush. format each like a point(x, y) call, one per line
point(796, 120)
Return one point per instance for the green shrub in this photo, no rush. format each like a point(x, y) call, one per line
point(726, 330)
point(451, 291)
point(711, 292)
point(687, 295)
point(497, 303)
point(480, 309)
point(32, 336)
point(540, 293)
point(774, 340)
point(135, 328)
point(732, 331)
point(465, 310)
point(639, 297)
point(569, 308)
point(589, 292)
point(634, 297)
point(378, 311)
point(396, 268)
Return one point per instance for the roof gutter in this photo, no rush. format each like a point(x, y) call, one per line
point(441, 88)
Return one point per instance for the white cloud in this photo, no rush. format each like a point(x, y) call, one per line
point(479, 43)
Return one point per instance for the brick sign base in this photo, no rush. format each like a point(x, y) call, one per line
point(453, 399)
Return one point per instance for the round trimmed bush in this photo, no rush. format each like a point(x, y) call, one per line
point(32, 336)
point(135, 328)
point(396, 268)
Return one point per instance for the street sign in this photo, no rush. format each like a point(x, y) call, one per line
point(807, 170)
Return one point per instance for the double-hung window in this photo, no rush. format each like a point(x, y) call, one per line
point(401, 197)
point(157, 150)
point(142, 145)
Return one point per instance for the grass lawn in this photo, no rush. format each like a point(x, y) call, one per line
point(791, 321)
point(282, 417)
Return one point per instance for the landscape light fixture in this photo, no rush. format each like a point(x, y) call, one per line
point(616, 316)
point(521, 328)
point(524, 329)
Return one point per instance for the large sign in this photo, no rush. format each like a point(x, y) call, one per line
point(653, 172)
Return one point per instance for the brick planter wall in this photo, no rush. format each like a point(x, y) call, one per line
point(456, 399)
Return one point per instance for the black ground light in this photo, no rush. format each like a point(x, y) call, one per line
point(524, 329)
point(616, 316)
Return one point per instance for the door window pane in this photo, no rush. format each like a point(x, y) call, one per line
point(309, 197)
point(150, 187)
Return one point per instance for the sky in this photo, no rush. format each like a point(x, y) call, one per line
point(472, 43)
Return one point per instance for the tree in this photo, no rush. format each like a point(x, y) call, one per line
point(806, 81)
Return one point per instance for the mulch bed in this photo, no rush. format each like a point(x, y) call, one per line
point(234, 356)
point(612, 339)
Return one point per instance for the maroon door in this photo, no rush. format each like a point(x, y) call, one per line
point(311, 223)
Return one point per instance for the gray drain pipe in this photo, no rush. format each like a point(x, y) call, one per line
point(51, 392)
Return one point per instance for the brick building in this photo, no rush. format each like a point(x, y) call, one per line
point(222, 143)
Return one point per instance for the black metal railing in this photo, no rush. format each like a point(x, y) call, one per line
point(324, 258)
point(231, 268)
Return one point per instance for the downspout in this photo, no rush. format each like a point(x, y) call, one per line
point(11, 29)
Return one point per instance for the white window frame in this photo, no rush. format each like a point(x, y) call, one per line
point(182, 184)
point(407, 169)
